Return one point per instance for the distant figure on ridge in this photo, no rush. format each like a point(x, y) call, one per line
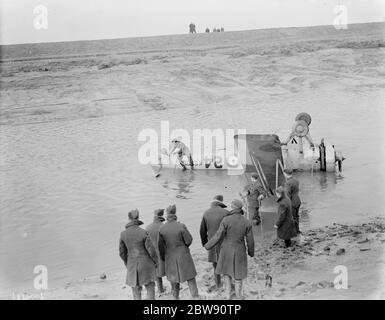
point(222, 29)
point(207, 30)
point(192, 28)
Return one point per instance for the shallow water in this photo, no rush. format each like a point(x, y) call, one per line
point(67, 186)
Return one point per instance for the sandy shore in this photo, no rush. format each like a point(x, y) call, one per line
point(305, 271)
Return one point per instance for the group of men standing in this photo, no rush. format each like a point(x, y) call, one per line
point(162, 249)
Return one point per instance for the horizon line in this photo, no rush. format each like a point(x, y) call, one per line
point(180, 34)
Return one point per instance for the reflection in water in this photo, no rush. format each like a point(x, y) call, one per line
point(177, 180)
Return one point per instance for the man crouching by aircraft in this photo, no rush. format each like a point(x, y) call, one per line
point(179, 148)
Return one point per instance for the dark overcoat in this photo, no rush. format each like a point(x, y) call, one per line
point(138, 254)
point(153, 232)
point(292, 192)
point(209, 225)
point(233, 231)
point(286, 227)
point(174, 242)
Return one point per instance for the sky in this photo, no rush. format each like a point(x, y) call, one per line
point(69, 20)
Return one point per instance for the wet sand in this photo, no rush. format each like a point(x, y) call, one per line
point(304, 271)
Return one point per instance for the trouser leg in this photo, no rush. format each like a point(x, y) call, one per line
point(287, 243)
point(239, 289)
point(295, 211)
point(254, 214)
point(159, 284)
point(175, 287)
point(150, 288)
point(217, 277)
point(192, 285)
point(180, 159)
point(228, 285)
point(137, 292)
point(191, 162)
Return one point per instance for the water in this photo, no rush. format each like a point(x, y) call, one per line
point(67, 185)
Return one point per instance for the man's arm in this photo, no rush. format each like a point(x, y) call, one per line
point(218, 236)
point(203, 232)
point(187, 237)
point(123, 251)
point(161, 246)
point(250, 241)
point(150, 249)
point(281, 215)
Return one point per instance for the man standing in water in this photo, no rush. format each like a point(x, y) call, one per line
point(174, 241)
point(285, 224)
point(254, 194)
point(139, 257)
point(292, 192)
point(209, 225)
point(179, 148)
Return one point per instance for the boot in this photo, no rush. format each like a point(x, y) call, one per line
point(228, 286)
point(192, 285)
point(159, 283)
point(175, 287)
point(137, 292)
point(239, 289)
point(150, 287)
point(218, 283)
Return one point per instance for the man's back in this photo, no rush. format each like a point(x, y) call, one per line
point(153, 230)
point(134, 239)
point(174, 235)
point(292, 190)
point(212, 218)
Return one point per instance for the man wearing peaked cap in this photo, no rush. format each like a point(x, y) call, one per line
point(139, 257)
point(173, 243)
point(153, 231)
point(211, 220)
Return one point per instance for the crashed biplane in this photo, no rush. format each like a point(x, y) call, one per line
point(267, 155)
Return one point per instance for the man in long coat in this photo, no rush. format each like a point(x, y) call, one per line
point(209, 225)
point(139, 257)
point(254, 194)
point(153, 232)
point(232, 263)
point(292, 192)
point(285, 224)
point(174, 242)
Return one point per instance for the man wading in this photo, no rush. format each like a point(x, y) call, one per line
point(209, 225)
point(153, 231)
point(174, 242)
point(285, 225)
point(292, 192)
point(139, 256)
point(254, 194)
point(232, 261)
point(179, 148)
